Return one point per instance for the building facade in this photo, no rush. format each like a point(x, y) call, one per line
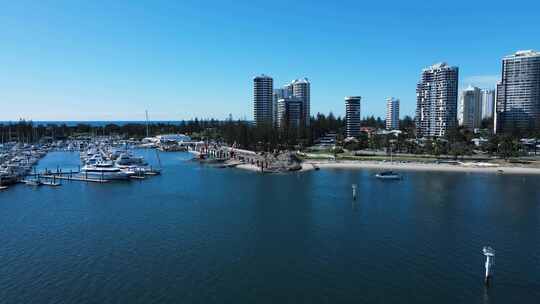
point(488, 103)
point(470, 108)
point(352, 116)
point(277, 95)
point(518, 93)
point(392, 113)
point(262, 100)
point(289, 112)
point(436, 100)
point(301, 88)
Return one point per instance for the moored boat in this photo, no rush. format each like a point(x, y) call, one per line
point(388, 175)
point(106, 172)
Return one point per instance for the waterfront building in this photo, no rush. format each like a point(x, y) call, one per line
point(392, 113)
point(301, 89)
point(288, 90)
point(518, 93)
point(436, 100)
point(289, 112)
point(470, 108)
point(352, 116)
point(276, 96)
point(488, 103)
point(262, 100)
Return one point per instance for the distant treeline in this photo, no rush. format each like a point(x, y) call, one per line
point(243, 133)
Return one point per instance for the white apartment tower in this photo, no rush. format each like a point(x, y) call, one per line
point(352, 116)
point(436, 100)
point(278, 94)
point(301, 89)
point(471, 108)
point(392, 113)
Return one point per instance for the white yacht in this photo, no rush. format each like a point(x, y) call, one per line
point(126, 159)
point(105, 170)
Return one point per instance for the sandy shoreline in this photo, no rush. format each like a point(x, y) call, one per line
point(309, 165)
point(356, 165)
point(397, 166)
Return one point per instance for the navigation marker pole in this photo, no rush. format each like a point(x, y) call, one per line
point(490, 254)
point(354, 191)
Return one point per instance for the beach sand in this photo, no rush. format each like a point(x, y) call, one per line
point(310, 165)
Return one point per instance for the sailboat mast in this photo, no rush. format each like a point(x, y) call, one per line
point(146, 112)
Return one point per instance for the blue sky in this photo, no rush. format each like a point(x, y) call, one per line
point(111, 60)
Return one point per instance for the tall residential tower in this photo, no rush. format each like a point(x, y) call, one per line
point(301, 89)
point(470, 108)
point(278, 94)
point(488, 103)
point(352, 116)
point(392, 113)
point(518, 93)
point(289, 112)
point(436, 100)
point(262, 100)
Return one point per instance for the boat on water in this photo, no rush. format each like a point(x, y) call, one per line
point(388, 175)
point(107, 171)
point(126, 159)
point(33, 182)
point(140, 170)
point(51, 183)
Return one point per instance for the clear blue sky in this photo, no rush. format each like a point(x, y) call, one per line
point(111, 60)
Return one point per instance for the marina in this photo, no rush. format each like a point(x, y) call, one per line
point(320, 152)
point(101, 160)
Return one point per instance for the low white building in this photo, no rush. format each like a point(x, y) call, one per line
point(167, 138)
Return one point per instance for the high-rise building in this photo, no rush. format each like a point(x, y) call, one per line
point(288, 90)
point(392, 113)
point(518, 93)
point(352, 116)
point(277, 95)
point(262, 100)
point(436, 100)
point(301, 89)
point(488, 103)
point(470, 108)
point(289, 112)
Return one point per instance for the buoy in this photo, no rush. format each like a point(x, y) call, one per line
point(354, 191)
point(490, 255)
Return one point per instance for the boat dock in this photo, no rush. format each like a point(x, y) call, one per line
point(77, 178)
point(229, 157)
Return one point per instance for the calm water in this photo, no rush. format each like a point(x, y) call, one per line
point(203, 235)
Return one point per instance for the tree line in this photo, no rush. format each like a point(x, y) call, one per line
point(244, 134)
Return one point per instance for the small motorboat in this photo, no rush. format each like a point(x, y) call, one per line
point(33, 182)
point(388, 175)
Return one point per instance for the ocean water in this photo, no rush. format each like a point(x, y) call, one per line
point(198, 234)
